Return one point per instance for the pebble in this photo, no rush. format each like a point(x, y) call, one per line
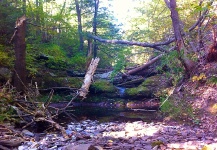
point(27, 133)
point(121, 135)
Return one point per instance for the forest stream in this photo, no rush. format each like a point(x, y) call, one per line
point(106, 125)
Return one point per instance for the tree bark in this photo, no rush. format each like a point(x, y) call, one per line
point(142, 44)
point(157, 45)
point(20, 54)
point(96, 6)
point(132, 82)
point(187, 63)
point(81, 39)
point(90, 48)
point(138, 69)
point(88, 77)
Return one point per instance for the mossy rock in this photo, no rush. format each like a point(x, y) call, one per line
point(102, 86)
point(156, 81)
point(137, 92)
point(49, 82)
point(151, 87)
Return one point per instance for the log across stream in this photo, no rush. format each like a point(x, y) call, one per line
point(141, 105)
point(116, 110)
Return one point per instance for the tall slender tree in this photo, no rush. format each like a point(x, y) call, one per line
point(20, 54)
point(187, 63)
point(96, 7)
point(81, 39)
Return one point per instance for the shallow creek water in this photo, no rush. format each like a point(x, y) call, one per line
point(110, 114)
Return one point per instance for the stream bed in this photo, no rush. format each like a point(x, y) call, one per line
point(111, 114)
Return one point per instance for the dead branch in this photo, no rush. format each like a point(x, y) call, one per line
point(136, 81)
point(142, 44)
point(58, 88)
point(38, 112)
point(71, 101)
point(49, 99)
point(158, 44)
point(88, 78)
point(56, 125)
point(135, 70)
point(11, 143)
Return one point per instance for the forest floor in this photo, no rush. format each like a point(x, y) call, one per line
point(168, 134)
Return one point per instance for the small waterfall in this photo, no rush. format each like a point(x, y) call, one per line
point(121, 91)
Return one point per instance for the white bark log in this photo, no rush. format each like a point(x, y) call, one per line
point(88, 77)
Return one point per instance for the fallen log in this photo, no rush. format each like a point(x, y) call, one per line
point(132, 82)
point(83, 91)
point(146, 104)
point(144, 66)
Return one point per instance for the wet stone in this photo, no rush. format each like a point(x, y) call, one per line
point(134, 135)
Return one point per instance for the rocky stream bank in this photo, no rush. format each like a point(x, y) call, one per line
point(137, 135)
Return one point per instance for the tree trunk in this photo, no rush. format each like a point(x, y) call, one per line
point(88, 77)
point(96, 6)
point(156, 46)
point(78, 11)
point(187, 63)
point(20, 54)
point(138, 69)
point(90, 48)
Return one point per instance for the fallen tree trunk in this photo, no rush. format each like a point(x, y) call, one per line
point(88, 78)
point(132, 82)
point(144, 66)
point(146, 104)
point(142, 44)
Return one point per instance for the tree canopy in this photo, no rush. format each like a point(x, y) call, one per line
point(71, 31)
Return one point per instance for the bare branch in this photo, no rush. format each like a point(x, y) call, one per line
point(158, 45)
point(135, 70)
point(142, 44)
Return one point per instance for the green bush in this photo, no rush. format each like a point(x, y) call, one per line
point(78, 62)
point(175, 68)
point(177, 108)
point(102, 86)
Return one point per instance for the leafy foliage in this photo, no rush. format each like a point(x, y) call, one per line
point(172, 62)
point(212, 80)
point(119, 64)
point(201, 77)
point(5, 58)
point(177, 108)
point(6, 97)
point(102, 86)
point(8, 15)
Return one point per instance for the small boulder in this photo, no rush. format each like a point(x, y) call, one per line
point(82, 147)
point(5, 74)
point(151, 87)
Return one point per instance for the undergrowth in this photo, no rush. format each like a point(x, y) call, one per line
point(6, 98)
point(177, 107)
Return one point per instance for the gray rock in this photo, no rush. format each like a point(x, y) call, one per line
point(98, 148)
point(23, 147)
point(5, 73)
point(27, 133)
point(79, 147)
point(147, 147)
point(106, 75)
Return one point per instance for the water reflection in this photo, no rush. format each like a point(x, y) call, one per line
point(111, 114)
